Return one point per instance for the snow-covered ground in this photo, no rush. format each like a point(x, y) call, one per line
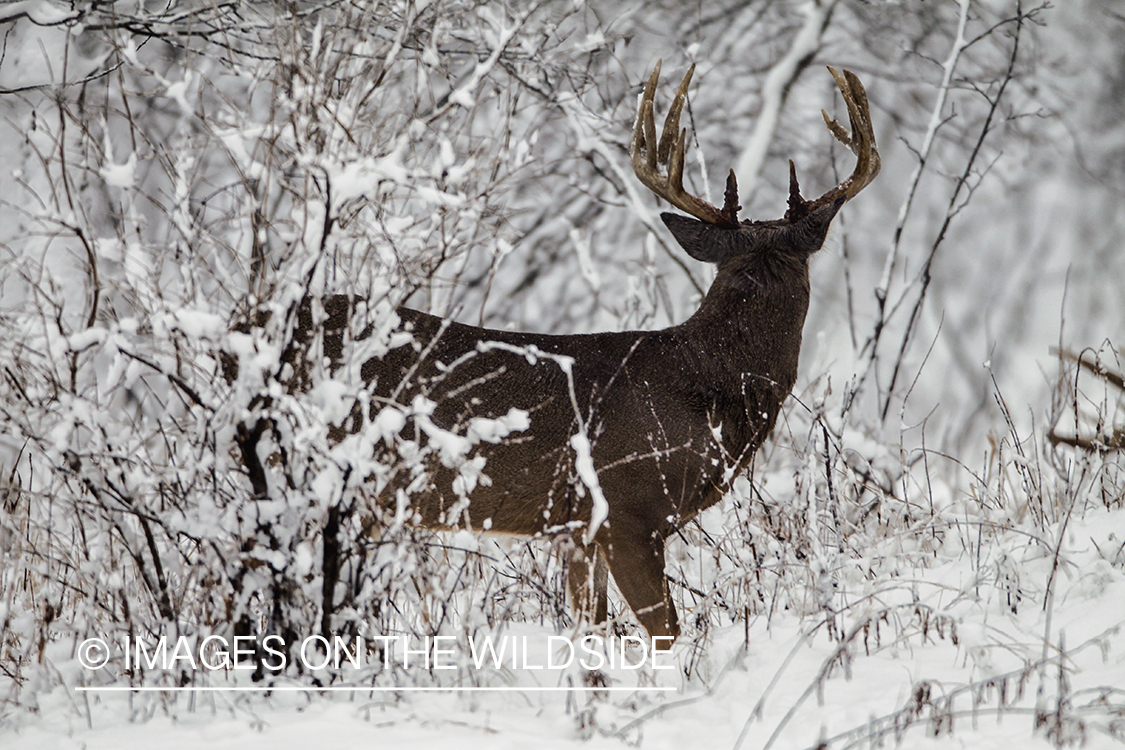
point(941, 656)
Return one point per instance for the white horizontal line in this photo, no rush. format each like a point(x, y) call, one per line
point(359, 689)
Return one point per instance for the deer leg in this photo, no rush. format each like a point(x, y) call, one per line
point(637, 563)
point(588, 579)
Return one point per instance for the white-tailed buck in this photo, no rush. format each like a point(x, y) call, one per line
point(671, 416)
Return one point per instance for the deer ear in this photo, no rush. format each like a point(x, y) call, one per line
point(709, 243)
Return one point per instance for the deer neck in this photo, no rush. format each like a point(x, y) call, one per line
point(754, 314)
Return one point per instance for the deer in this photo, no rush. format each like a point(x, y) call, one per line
point(631, 434)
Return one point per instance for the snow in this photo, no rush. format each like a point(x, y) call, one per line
point(120, 175)
point(495, 430)
point(40, 12)
point(733, 690)
point(932, 648)
point(585, 261)
point(584, 465)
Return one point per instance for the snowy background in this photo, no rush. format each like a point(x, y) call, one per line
point(930, 550)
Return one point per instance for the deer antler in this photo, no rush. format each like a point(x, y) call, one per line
point(861, 141)
point(647, 154)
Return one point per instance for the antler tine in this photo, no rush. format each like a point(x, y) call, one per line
point(646, 120)
point(648, 154)
point(861, 141)
point(670, 135)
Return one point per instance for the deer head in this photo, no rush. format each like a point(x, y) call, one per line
point(715, 235)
